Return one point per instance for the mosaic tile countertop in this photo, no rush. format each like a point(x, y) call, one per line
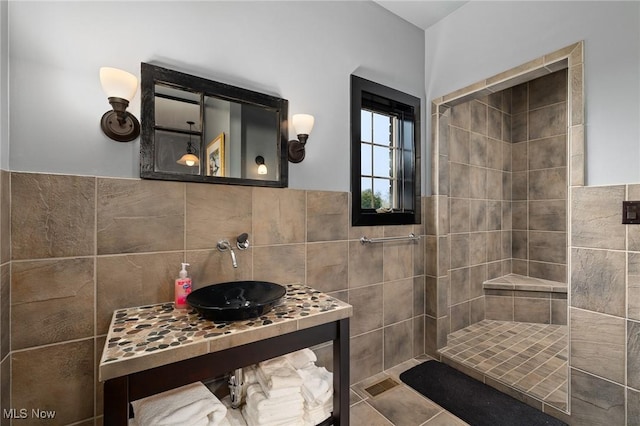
point(150, 336)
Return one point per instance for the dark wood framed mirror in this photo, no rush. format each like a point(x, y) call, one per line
point(199, 130)
point(385, 155)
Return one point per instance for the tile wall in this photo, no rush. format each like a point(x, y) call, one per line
point(82, 247)
point(605, 308)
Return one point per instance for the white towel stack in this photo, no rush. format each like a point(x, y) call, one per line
point(288, 390)
point(192, 404)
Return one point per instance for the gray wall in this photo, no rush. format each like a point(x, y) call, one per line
point(482, 39)
point(302, 51)
point(4, 95)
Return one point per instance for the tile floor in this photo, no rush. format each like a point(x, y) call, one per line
point(526, 356)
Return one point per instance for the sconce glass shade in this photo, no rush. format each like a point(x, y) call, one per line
point(262, 168)
point(189, 160)
point(303, 123)
point(117, 83)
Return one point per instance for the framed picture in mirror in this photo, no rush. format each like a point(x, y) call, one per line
point(215, 156)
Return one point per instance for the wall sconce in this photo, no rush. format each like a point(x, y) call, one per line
point(262, 168)
point(189, 159)
point(302, 123)
point(120, 87)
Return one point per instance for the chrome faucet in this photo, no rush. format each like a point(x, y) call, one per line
point(223, 245)
point(242, 242)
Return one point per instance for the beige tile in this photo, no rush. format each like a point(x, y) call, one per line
point(519, 156)
point(58, 378)
point(327, 266)
point(397, 260)
point(548, 246)
point(327, 216)
point(633, 354)
point(365, 264)
point(460, 116)
point(459, 316)
point(520, 127)
point(217, 212)
point(137, 216)
point(459, 180)
point(133, 280)
point(548, 121)
point(459, 288)
point(51, 301)
point(598, 344)
point(418, 335)
point(496, 214)
point(367, 303)
point(5, 310)
point(477, 150)
point(548, 184)
point(403, 406)
point(366, 355)
point(548, 90)
point(5, 216)
point(478, 117)
point(398, 300)
point(458, 145)
point(363, 413)
point(213, 266)
point(633, 407)
point(5, 387)
point(531, 310)
point(52, 216)
point(495, 154)
point(595, 401)
point(547, 215)
point(595, 217)
point(459, 250)
point(577, 155)
point(576, 79)
point(494, 123)
point(548, 271)
point(281, 264)
point(398, 340)
point(477, 182)
point(278, 216)
point(633, 286)
point(520, 186)
point(459, 214)
point(598, 281)
point(499, 308)
point(548, 152)
point(445, 419)
point(419, 289)
point(477, 248)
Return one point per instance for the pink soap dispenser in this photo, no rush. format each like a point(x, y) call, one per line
point(183, 287)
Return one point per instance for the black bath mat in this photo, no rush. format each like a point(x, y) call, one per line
point(472, 401)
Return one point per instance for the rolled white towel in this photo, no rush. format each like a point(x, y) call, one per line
point(278, 373)
point(302, 358)
point(274, 393)
point(192, 404)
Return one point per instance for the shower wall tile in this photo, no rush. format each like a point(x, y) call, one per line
point(478, 117)
point(595, 401)
point(327, 216)
point(458, 145)
point(459, 250)
point(633, 232)
point(633, 286)
point(520, 186)
point(547, 184)
point(5, 216)
point(478, 215)
point(477, 248)
point(598, 344)
point(460, 116)
point(51, 301)
point(527, 309)
point(547, 215)
point(548, 246)
point(598, 281)
point(477, 276)
point(459, 215)
point(419, 294)
point(459, 180)
point(548, 271)
point(548, 90)
point(230, 206)
point(494, 123)
point(365, 264)
point(139, 216)
point(519, 127)
point(477, 182)
point(419, 336)
point(519, 156)
point(495, 213)
point(520, 98)
point(478, 150)
point(459, 286)
point(548, 121)
point(499, 308)
point(5, 311)
point(460, 316)
point(495, 154)
point(5, 388)
point(595, 217)
point(633, 354)
point(576, 79)
point(577, 155)
point(633, 407)
point(548, 153)
point(52, 216)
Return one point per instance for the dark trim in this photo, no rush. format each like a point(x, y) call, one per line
point(152, 74)
point(383, 98)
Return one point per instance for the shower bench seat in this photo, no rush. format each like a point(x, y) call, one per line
point(516, 297)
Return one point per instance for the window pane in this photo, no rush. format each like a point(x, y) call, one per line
point(382, 161)
point(365, 125)
point(382, 189)
point(368, 201)
point(365, 158)
point(381, 129)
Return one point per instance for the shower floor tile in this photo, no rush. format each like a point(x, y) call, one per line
point(528, 357)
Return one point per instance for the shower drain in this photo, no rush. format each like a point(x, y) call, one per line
point(381, 386)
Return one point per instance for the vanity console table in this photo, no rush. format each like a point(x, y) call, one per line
point(155, 348)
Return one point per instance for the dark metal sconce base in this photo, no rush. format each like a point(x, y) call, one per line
point(296, 149)
point(125, 132)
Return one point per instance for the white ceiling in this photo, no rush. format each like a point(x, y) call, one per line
point(421, 13)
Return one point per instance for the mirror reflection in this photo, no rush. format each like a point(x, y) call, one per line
point(200, 130)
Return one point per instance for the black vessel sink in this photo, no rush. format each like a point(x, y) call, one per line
point(236, 300)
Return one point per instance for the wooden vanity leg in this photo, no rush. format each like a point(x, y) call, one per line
point(341, 374)
point(116, 401)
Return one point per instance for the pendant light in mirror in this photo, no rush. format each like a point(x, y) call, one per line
point(189, 159)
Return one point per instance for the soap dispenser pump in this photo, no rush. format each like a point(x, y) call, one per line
point(182, 288)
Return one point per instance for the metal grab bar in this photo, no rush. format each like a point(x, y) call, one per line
point(411, 237)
